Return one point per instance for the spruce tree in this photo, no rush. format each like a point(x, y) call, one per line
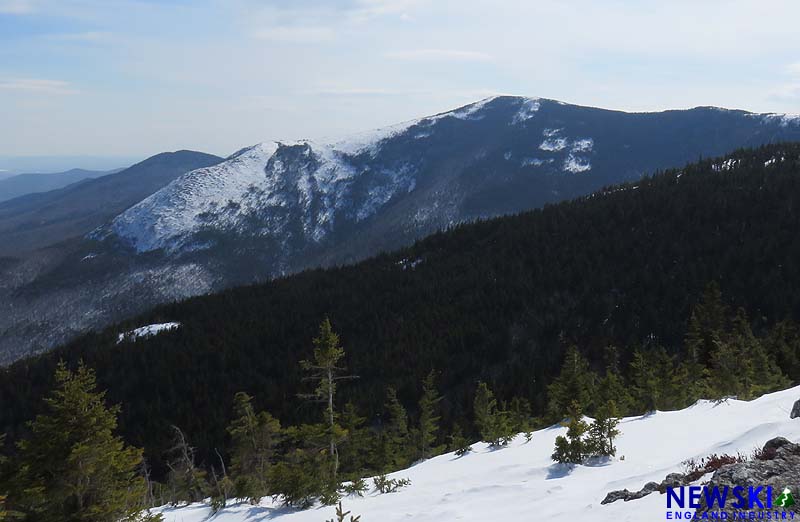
point(783, 345)
point(493, 424)
point(299, 477)
point(612, 387)
point(706, 324)
point(575, 383)
point(325, 371)
point(571, 449)
point(671, 381)
point(647, 386)
point(428, 418)
point(741, 366)
point(186, 483)
point(357, 447)
point(254, 437)
point(341, 515)
point(603, 430)
point(457, 443)
point(395, 437)
point(520, 414)
point(4, 514)
point(73, 467)
point(765, 374)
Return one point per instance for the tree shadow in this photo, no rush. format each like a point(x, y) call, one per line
point(597, 462)
point(557, 471)
point(267, 513)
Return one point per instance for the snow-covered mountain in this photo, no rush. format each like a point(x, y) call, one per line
point(277, 208)
point(304, 190)
point(520, 483)
point(384, 188)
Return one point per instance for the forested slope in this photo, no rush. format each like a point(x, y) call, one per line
point(498, 300)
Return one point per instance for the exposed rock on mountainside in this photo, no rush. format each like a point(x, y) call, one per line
point(778, 466)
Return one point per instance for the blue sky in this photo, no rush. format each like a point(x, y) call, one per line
point(135, 77)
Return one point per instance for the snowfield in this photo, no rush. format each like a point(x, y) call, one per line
point(520, 483)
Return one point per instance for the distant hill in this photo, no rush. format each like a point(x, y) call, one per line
point(39, 220)
point(497, 300)
point(21, 184)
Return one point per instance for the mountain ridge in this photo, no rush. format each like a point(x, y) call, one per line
point(30, 183)
point(279, 208)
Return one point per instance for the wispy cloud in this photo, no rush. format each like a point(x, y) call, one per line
point(367, 9)
point(366, 91)
point(16, 6)
point(440, 55)
point(36, 85)
point(788, 91)
point(87, 36)
point(296, 34)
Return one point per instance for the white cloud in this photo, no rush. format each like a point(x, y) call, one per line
point(16, 6)
point(88, 36)
point(440, 55)
point(296, 34)
point(35, 85)
point(367, 91)
point(264, 69)
point(368, 9)
point(787, 93)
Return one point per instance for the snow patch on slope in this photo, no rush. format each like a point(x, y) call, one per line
point(520, 483)
point(553, 144)
point(728, 164)
point(784, 120)
point(535, 162)
point(269, 186)
point(527, 110)
point(147, 331)
point(583, 145)
point(177, 209)
point(774, 160)
point(576, 164)
point(370, 141)
point(471, 111)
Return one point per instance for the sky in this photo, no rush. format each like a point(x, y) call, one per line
point(132, 78)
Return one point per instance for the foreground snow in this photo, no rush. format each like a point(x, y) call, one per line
point(520, 483)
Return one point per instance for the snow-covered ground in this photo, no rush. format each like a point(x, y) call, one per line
point(520, 483)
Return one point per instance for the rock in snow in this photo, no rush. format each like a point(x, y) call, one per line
point(779, 468)
point(673, 480)
point(795, 410)
point(520, 483)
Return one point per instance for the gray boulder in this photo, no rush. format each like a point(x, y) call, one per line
point(673, 480)
point(795, 410)
point(620, 494)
